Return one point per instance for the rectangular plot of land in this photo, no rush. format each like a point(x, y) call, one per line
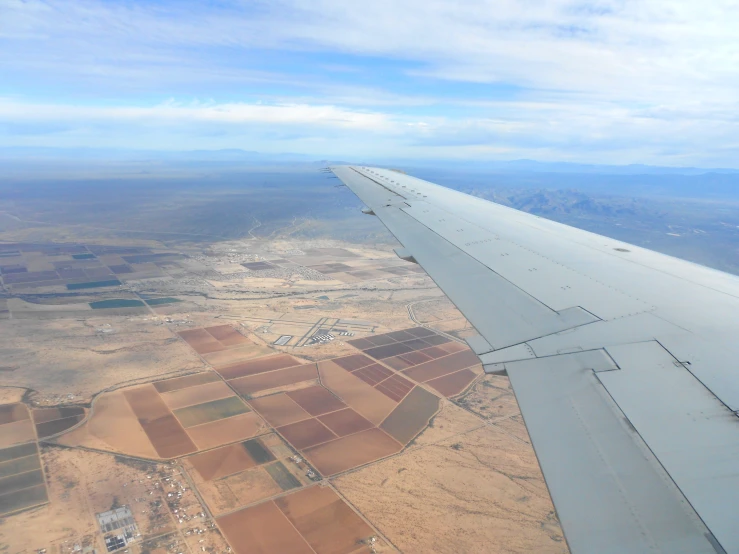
point(164, 431)
point(26, 498)
point(196, 395)
point(411, 416)
point(30, 277)
point(373, 374)
point(223, 431)
point(435, 352)
point(13, 412)
point(416, 344)
point(350, 363)
point(201, 341)
point(20, 451)
point(395, 387)
point(345, 422)
point(20, 481)
point(16, 433)
point(415, 358)
point(316, 400)
point(382, 352)
point(442, 366)
point(273, 379)
point(251, 485)
point(381, 340)
point(210, 411)
point(42, 415)
point(94, 284)
point(454, 383)
point(260, 365)
point(284, 479)
point(397, 363)
point(120, 269)
point(420, 332)
point(361, 344)
point(262, 529)
point(227, 335)
point(258, 266)
point(401, 336)
point(352, 451)
point(55, 426)
point(188, 381)
point(19, 465)
point(220, 462)
point(279, 409)
point(453, 347)
point(436, 340)
point(364, 399)
point(325, 520)
point(307, 433)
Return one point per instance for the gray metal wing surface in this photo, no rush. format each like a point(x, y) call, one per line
point(623, 361)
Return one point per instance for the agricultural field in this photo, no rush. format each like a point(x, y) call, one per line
point(258, 396)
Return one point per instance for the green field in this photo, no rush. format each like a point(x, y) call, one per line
point(282, 476)
point(83, 256)
point(94, 284)
point(211, 411)
point(116, 303)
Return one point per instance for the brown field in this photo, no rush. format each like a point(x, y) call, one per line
point(454, 383)
point(411, 416)
point(55, 426)
point(112, 426)
point(223, 431)
point(273, 379)
point(453, 347)
point(380, 340)
point(387, 351)
point(436, 351)
point(178, 383)
point(227, 335)
point(233, 355)
point(364, 399)
point(350, 363)
point(395, 387)
point(16, 433)
point(398, 363)
point(400, 335)
point(373, 374)
point(42, 415)
point(361, 344)
point(316, 400)
point(420, 332)
point(201, 341)
point(352, 451)
point(345, 422)
point(221, 462)
point(164, 431)
point(416, 357)
point(442, 366)
point(306, 433)
point(261, 365)
point(252, 485)
point(13, 412)
point(196, 395)
point(279, 409)
point(262, 529)
point(325, 521)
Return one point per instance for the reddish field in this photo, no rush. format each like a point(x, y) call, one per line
point(187, 381)
point(345, 422)
point(397, 363)
point(415, 358)
point(196, 395)
point(395, 387)
point(350, 363)
point(272, 379)
point(164, 431)
point(352, 451)
point(260, 365)
point(221, 462)
point(442, 366)
point(227, 335)
point(373, 374)
point(223, 431)
point(454, 347)
point(201, 341)
point(325, 520)
point(316, 400)
point(307, 433)
point(262, 529)
point(279, 409)
point(435, 351)
point(454, 383)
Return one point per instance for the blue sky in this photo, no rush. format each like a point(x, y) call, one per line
point(613, 81)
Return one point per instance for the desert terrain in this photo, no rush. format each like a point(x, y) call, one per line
point(276, 394)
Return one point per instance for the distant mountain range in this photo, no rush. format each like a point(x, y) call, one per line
point(237, 156)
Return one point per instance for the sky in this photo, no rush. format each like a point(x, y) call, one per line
point(612, 81)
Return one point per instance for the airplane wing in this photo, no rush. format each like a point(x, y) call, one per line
point(624, 361)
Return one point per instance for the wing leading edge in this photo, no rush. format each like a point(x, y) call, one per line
point(621, 360)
